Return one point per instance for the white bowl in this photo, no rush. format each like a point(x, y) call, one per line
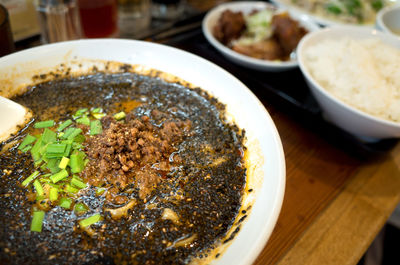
point(267, 164)
point(388, 20)
point(347, 117)
point(211, 20)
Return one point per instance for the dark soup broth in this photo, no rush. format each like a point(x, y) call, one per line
point(119, 168)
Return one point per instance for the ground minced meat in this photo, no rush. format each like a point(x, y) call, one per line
point(133, 152)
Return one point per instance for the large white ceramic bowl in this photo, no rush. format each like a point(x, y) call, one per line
point(266, 163)
point(211, 20)
point(347, 117)
point(388, 20)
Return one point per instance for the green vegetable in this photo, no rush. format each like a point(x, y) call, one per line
point(119, 116)
point(48, 136)
point(29, 179)
point(59, 176)
point(84, 120)
point(55, 150)
point(96, 110)
point(80, 208)
point(53, 194)
point(74, 133)
point(334, 9)
point(377, 5)
point(65, 203)
point(68, 148)
point(37, 221)
point(52, 165)
point(80, 113)
point(78, 183)
point(38, 188)
point(100, 191)
point(68, 132)
point(26, 149)
point(77, 162)
point(29, 139)
point(64, 125)
point(95, 127)
point(90, 220)
point(43, 124)
point(70, 189)
point(98, 115)
point(64, 162)
point(35, 149)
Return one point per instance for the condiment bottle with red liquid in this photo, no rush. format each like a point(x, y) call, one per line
point(99, 18)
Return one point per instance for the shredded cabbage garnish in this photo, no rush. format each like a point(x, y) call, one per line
point(258, 27)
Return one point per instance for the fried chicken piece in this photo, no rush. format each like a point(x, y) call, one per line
point(267, 50)
point(287, 31)
point(229, 27)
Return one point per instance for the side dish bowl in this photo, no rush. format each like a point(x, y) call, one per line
point(211, 20)
point(388, 20)
point(316, 17)
point(345, 116)
point(265, 158)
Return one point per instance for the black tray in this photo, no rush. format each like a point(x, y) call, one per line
point(286, 91)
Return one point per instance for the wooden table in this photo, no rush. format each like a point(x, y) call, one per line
point(335, 203)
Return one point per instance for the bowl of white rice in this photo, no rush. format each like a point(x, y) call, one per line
point(354, 74)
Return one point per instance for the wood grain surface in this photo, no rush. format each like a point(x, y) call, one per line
point(334, 204)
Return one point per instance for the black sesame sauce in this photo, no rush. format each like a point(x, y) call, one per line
point(209, 193)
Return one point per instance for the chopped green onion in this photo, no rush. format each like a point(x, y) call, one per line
point(76, 146)
point(119, 116)
point(81, 112)
point(100, 191)
point(43, 124)
point(64, 125)
point(77, 162)
point(90, 220)
point(48, 136)
point(59, 176)
point(64, 162)
point(98, 115)
point(36, 148)
point(65, 203)
point(30, 178)
point(45, 180)
point(95, 127)
point(80, 138)
point(97, 110)
point(56, 149)
point(74, 133)
point(52, 165)
point(70, 189)
point(38, 187)
point(53, 194)
point(29, 139)
point(77, 183)
point(37, 221)
point(26, 148)
point(68, 148)
point(68, 132)
point(80, 208)
point(84, 120)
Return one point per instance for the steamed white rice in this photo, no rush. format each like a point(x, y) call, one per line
point(362, 73)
